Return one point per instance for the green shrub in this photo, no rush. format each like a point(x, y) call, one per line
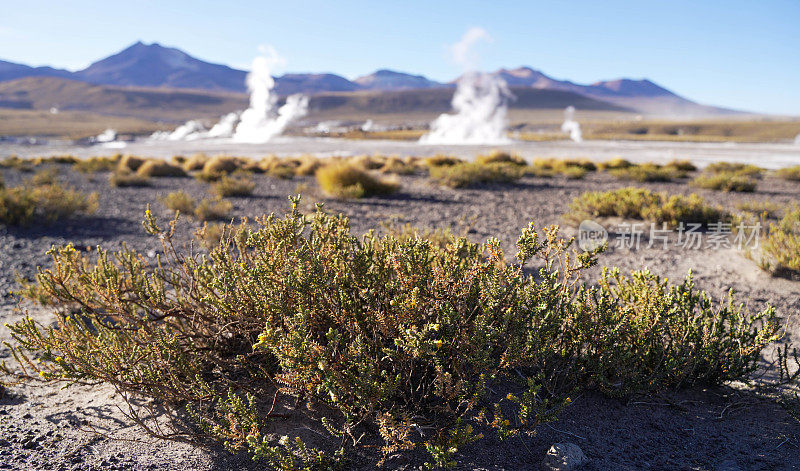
point(125, 178)
point(439, 160)
point(180, 201)
point(472, 173)
point(734, 168)
point(234, 186)
point(96, 164)
point(639, 203)
point(647, 173)
point(780, 247)
point(765, 207)
point(682, 165)
point(46, 203)
point(160, 168)
point(213, 209)
point(346, 180)
point(789, 173)
point(615, 163)
point(499, 157)
point(725, 181)
point(566, 167)
point(410, 342)
point(574, 173)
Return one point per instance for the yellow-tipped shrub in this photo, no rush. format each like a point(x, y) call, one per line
point(347, 180)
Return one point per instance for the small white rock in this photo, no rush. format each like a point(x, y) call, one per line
point(564, 457)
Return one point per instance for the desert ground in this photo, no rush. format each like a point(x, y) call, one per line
point(43, 426)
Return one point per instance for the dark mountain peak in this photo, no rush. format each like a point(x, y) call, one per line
point(631, 87)
point(386, 79)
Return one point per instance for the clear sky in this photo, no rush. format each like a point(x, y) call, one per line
point(738, 53)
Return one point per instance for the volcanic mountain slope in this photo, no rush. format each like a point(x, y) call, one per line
point(43, 93)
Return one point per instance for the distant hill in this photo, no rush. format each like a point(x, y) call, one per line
point(385, 79)
point(157, 66)
point(12, 71)
point(43, 93)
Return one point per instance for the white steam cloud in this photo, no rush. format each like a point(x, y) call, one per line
point(797, 139)
point(259, 123)
point(571, 126)
point(480, 101)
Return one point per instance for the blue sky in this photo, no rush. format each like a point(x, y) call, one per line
point(741, 54)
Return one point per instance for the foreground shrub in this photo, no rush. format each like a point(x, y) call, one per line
point(725, 181)
point(45, 203)
point(345, 180)
point(472, 173)
point(639, 203)
point(406, 342)
point(160, 168)
point(234, 186)
point(789, 173)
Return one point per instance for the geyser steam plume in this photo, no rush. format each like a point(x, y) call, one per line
point(480, 102)
point(262, 121)
point(571, 126)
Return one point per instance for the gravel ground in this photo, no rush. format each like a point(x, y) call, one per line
point(82, 428)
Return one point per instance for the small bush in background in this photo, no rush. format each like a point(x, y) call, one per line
point(639, 203)
point(130, 163)
point(195, 162)
point(499, 157)
point(442, 161)
point(734, 168)
point(725, 181)
point(398, 166)
point(789, 173)
point(160, 168)
point(126, 178)
point(648, 173)
point(97, 164)
point(473, 173)
point(45, 203)
point(780, 247)
point(213, 209)
point(346, 180)
point(180, 201)
point(240, 185)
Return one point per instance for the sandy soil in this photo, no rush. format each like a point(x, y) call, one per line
point(44, 427)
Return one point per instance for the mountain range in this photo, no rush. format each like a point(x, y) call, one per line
point(156, 66)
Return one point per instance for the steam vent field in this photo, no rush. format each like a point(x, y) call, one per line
point(453, 235)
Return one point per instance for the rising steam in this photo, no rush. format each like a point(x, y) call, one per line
point(571, 126)
point(480, 102)
point(259, 123)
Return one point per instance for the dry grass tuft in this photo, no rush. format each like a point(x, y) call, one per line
point(160, 168)
point(347, 180)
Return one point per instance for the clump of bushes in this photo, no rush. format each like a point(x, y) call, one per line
point(639, 203)
point(468, 174)
point(406, 342)
point(615, 164)
point(195, 162)
point(346, 180)
point(765, 207)
point(160, 168)
point(398, 166)
point(240, 185)
point(42, 203)
point(725, 181)
point(308, 166)
point(789, 173)
point(571, 168)
point(221, 164)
